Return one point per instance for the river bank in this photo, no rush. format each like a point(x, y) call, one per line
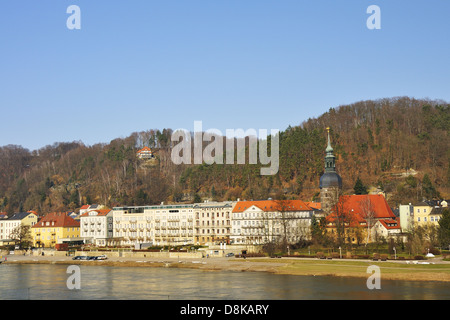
point(436, 270)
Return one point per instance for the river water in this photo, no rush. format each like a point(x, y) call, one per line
point(45, 282)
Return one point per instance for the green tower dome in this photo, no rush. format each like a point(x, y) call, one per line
point(330, 178)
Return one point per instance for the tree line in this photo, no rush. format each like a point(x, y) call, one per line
point(398, 145)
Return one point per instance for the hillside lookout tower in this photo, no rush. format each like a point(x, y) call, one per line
point(330, 181)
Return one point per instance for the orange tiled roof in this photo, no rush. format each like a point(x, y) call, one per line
point(272, 205)
point(354, 211)
point(100, 212)
point(57, 220)
point(390, 224)
point(378, 205)
point(314, 205)
point(144, 149)
point(350, 218)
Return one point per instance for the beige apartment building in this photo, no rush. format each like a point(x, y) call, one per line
point(158, 225)
point(213, 222)
point(206, 223)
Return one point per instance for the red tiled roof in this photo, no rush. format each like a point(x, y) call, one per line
point(86, 206)
point(378, 205)
point(145, 149)
point(390, 224)
point(56, 220)
point(351, 218)
point(314, 205)
point(272, 205)
point(100, 212)
point(355, 207)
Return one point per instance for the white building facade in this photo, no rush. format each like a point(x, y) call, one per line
point(261, 222)
point(7, 226)
point(158, 225)
point(96, 226)
point(406, 212)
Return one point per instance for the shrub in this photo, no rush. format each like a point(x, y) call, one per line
point(418, 257)
point(435, 251)
point(251, 255)
point(296, 256)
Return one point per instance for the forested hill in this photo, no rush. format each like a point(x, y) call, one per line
point(399, 146)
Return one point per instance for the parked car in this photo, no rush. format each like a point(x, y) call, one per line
point(80, 258)
point(231, 254)
point(101, 257)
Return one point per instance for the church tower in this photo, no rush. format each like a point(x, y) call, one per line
point(330, 181)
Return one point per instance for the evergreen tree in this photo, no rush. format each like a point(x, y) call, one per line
point(444, 228)
point(429, 191)
point(213, 193)
point(197, 198)
point(318, 232)
point(74, 198)
point(359, 187)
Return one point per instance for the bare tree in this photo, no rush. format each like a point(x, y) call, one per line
point(284, 209)
point(21, 235)
point(368, 213)
point(342, 218)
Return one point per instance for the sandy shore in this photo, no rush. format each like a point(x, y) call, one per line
point(211, 264)
point(436, 270)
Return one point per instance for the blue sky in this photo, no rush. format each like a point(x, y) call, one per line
point(153, 64)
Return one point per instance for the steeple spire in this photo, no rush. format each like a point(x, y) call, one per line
point(330, 165)
point(329, 148)
point(330, 181)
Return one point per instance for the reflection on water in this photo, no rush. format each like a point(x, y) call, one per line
point(40, 282)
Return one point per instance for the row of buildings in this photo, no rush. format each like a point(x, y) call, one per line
point(230, 222)
point(239, 222)
point(209, 223)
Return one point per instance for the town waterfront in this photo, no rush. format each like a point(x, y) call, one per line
point(49, 281)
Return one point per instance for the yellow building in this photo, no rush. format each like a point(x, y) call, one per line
point(9, 225)
point(54, 227)
point(425, 213)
